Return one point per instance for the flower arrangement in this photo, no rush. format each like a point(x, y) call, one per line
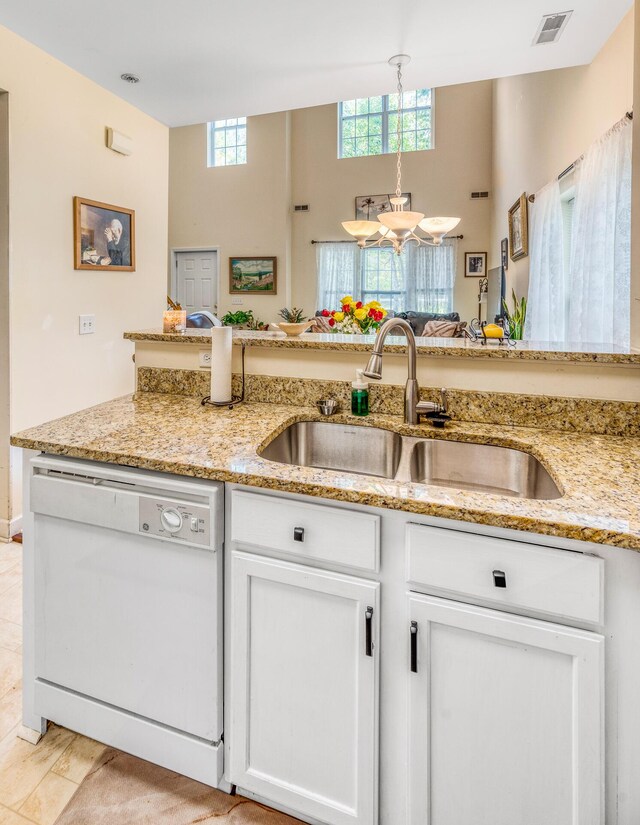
point(355, 317)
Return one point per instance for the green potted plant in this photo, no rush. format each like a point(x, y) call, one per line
point(515, 317)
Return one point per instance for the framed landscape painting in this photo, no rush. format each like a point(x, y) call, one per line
point(258, 276)
point(103, 236)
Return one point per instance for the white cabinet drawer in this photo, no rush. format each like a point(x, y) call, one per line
point(558, 582)
point(306, 531)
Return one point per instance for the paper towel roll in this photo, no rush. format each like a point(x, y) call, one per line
point(221, 345)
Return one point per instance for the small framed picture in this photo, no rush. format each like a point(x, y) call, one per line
point(103, 236)
point(368, 207)
point(255, 275)
point(475, 264)
point(519, 228)
point(504, 253)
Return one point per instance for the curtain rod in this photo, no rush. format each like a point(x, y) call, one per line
point(447, 238)
point(532, 198)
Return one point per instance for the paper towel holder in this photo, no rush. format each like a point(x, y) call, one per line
point(235, 399)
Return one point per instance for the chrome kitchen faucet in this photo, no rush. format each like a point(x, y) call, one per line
point(413, 407)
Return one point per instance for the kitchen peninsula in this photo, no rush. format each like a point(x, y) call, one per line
point(400, 590)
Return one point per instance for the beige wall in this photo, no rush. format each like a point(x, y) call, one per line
point(247, 210)
point(57, 121)
point(543, 122)
point(243, 210)
point(440, 181)
point(5, 424)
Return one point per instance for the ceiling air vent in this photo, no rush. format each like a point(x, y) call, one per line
point(479, 196)
point(301, 207)
point(551, 27)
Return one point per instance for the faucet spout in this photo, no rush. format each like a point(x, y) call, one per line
point(413, 407)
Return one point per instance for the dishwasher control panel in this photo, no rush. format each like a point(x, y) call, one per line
point(175, 520)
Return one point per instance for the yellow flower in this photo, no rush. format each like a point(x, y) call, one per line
point(348, 299)
point(382, 310)
point(361, 313)
point(339, 316)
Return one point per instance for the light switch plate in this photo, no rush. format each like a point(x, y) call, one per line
point(237, 301)
point(87, 324)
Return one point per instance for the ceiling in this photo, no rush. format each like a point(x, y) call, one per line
point(200, 60)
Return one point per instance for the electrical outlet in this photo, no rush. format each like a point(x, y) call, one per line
point(205, 358)
point(87, 324)
point(237, 301)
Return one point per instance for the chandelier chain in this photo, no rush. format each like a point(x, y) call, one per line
point(398, 135)
point(398, 229)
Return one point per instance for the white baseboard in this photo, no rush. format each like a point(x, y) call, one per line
point(8, 529)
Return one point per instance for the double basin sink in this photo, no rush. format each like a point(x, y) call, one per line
point(373, 451)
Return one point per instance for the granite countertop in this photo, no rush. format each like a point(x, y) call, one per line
point(599, 475)
point(452, 347)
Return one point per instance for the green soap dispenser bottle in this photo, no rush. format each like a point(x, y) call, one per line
point(360, 395)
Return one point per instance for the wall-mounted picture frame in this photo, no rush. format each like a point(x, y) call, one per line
point(254, 275)
point(504, 253)
point(104, 236)
point(519, 228)
point(475, 264)
point(368, 207)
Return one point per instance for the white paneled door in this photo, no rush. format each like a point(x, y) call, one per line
point(197, 280)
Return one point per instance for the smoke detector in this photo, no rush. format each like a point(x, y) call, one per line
point(551, 27)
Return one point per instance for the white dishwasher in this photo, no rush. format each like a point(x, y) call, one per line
point(127, 586)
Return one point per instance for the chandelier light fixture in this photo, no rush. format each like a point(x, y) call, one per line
point(398, 227)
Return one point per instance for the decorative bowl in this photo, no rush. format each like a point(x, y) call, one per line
point(293, 329)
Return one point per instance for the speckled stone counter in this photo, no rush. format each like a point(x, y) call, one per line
point(598, 475)
point(451, 347)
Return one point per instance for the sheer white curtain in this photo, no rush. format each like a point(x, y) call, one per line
point(547, 299)
point(431, 275)
point(421, 278)
point(338, 273)
point(601, 242)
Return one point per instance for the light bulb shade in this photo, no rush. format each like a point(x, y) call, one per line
point(361, 229)
point(438, 227)
point(400, 221)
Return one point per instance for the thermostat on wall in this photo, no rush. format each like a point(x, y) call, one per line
point(119, 142)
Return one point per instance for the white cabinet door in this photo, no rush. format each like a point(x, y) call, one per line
point(505, 718)
point(303, 688)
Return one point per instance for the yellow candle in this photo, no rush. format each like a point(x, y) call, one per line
point(173, 318)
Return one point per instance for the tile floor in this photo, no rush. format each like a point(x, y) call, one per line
point(36, 781)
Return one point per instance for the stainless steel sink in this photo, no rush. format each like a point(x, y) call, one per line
point(385, 454)
point(368, 450)
point(483, 467)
